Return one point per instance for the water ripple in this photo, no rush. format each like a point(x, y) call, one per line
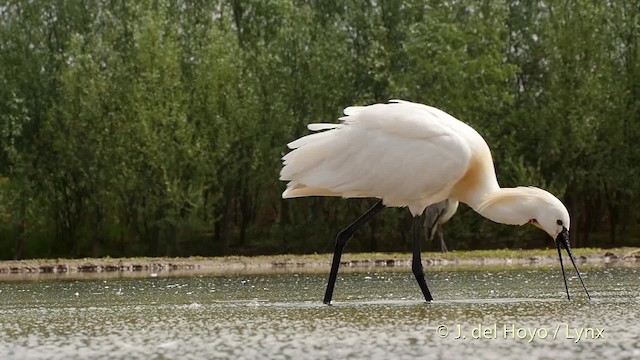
point(281, 317)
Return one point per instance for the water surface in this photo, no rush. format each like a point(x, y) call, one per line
point(377, 315)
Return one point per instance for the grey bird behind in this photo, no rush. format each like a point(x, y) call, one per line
point(435, 216)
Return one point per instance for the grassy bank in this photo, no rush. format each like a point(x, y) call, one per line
point(305, 263)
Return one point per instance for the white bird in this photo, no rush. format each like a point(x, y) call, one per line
point(437, 215)
point(412, 155)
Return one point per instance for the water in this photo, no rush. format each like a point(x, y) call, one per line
point(377, 315)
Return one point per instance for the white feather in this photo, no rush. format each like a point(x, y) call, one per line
point(406, 154)
point(412, 155)
point(321, 126)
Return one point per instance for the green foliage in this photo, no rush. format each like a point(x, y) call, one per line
point(157, 127)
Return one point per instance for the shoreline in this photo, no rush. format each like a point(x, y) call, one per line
point(312, 263)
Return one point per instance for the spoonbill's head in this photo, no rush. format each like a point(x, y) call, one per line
point(527, 205)
point(550, 214)
point(531, 205)
point(552, 217)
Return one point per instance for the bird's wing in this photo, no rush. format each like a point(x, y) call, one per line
point(403, 153)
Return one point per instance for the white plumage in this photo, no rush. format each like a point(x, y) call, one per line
point(403, 153)
point(412, 155)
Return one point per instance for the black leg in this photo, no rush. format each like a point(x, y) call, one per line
point(341, 240)
point(416, 264)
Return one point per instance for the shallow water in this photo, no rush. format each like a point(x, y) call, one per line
point(376, 315)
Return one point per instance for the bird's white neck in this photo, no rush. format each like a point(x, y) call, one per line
point(481, 191)
point(505, 206)
point(479, 181)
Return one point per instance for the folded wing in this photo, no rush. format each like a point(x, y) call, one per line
point(403, 153)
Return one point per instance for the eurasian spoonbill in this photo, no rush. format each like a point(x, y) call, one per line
point(412, 155)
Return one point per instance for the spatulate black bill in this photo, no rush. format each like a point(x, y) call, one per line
point(563, 239)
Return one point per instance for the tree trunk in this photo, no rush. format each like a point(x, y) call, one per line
point(96, 249)
point(223, 226)
point(22, 228)
point(284, 223)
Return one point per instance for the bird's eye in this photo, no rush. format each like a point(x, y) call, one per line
point(559, 222)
